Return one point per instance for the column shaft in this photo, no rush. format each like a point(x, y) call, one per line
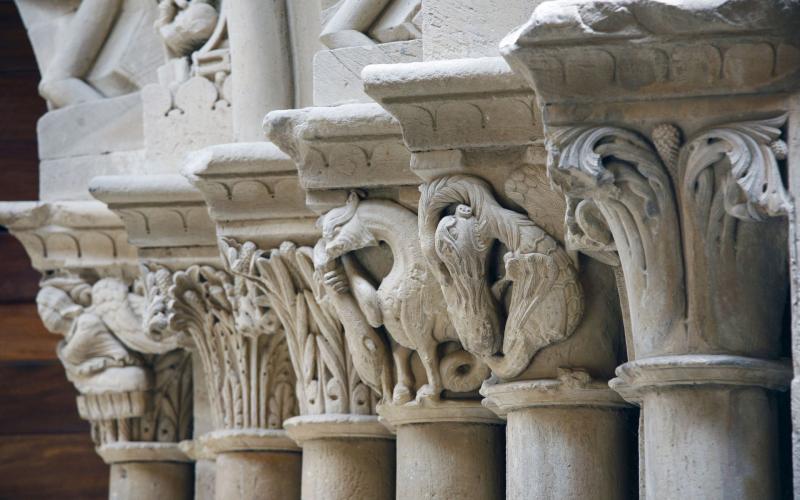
point(450, 460)
point(348, 469)
point(148, 480)
point(711, 442)
point(261, 64)
point(568, 453)
point(250, 475)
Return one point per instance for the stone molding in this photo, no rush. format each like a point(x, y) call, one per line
point(232, 440)
point(309, 427)
point(70, 235)
point(461, 103)
point(252, 193)
point(607, 49)
point(353, 145)
point(142, 452)
point(571, 388)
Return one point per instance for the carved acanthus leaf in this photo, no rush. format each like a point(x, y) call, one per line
point(617, 179)
point(546, 301)
point(326, 379)
point(753, 189)
point(251, 384)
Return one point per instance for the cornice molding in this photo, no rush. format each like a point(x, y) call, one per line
point(342, 147)
point(165, 217)
point(71, 235)
point(574, 51)
point(457, 104)
point(252, 192)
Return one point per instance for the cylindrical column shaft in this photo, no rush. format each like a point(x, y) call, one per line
point(348, 469)
point(250, 475)
point(260, 64)
point(568, 452)
point(450, 460)
point(148, 480)
point(711, 442)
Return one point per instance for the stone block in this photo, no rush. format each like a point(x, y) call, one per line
point(337, 72)
point(454, 29)
point(193, 115)
point(95, 127)
point(68, 178)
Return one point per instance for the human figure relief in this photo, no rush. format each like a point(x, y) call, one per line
point(407, 303)
point(62, 82)
point(90, 318)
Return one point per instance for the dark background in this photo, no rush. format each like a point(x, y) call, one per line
point(45, 448)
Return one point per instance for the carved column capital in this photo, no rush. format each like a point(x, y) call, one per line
point(545, 321)
point(130, 388)
point(476, 140)
point(369, 259)
point(666, 132)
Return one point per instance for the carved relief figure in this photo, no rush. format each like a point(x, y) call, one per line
point(62, 83)
point(132, 388)
point(506, 317)
point(185, 25)
point(401, 313)
point(351, 23)
point(95, 359)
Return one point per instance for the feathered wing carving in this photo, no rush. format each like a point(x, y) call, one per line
point(400, 313)
point(546, 302)
point(327, 381)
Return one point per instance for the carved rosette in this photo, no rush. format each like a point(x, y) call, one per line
point(504, 319)
point(241, 345)
point(702, 269)
point(131, 388)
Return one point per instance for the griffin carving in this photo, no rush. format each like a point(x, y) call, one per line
point(401, 313)
point(536, 301)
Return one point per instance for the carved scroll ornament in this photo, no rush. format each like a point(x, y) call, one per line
point(400, 312)
point(538, 288)
point(620, 188)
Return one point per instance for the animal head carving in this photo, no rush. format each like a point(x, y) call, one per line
point(343, 231)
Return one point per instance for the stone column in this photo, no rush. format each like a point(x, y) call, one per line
point(447, 449)
point(136, 392)
point(260, 64)
point(346, 452)
point(675, 159)
point(345, 456)
point(194, 301)
point(475, 138)
point(353, 164)
point(141, 471)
